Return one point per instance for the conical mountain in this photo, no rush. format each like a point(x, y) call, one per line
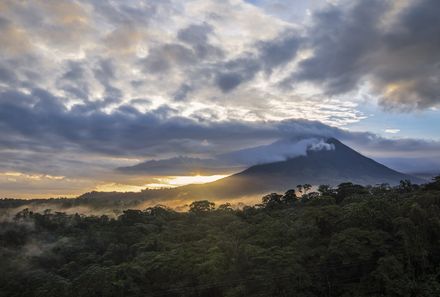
point(325, 166)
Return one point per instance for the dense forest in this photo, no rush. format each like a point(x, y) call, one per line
point(345, 241)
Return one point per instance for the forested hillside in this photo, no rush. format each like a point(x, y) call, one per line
point(345, 241)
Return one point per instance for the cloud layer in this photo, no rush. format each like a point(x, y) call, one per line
point(393, 46)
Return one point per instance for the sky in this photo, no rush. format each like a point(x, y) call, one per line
point(123, 95)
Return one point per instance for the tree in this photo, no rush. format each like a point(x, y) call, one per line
point(289, 198)
point(272, 200)
point(307, 188)
point(158, 210)
point(345, 190)
point(405, 186)
point(225, 207)
point(435, 184)
point(132, 216)
point(326, 190)
point(201, 206)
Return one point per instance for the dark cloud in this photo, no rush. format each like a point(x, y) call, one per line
point(197, 36)
point(270, 54)
point(195, 52)
point(182, 92)
point(399, 55)
point(231, 74)
point(228, 81)
point(279, 51)
point(163, 58)
point(75, 71)
point(7, 76)
point(41, 117)
point(341, 41)
point(125, 131)
point(74, 80)
point(105, 71)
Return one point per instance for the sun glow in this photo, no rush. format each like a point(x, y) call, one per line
point(176, 181)
point(117, 187)
point(196, 179)
point(160, 183)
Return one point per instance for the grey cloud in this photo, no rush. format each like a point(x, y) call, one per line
point(226, 74)
point(228, 81)
point(195, 34)
point(105, 71)
point(125, 131)
point(81, 93)
point(270, 54)
point(280, 51)
point(182, 92)
point(163, 58)
point(341, 41)
point(234, 72)
point(140, 101)
point(74, 72)
point(198, 37)
point(3, 22)
point(399, 58)
point(74, 80)
point(15, 73)
point(41, 118)
point(7, 76)
point(193, 56)
point(78, 80)
point(124, 13)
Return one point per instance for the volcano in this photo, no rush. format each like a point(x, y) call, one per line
point(330, 166)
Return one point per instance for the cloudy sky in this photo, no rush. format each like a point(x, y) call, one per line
point(88, 88)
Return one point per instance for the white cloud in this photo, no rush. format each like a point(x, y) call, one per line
point(392, 131)
point(77, 38)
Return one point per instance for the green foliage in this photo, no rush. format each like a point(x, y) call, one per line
point(345, 241)
point(202, 206)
